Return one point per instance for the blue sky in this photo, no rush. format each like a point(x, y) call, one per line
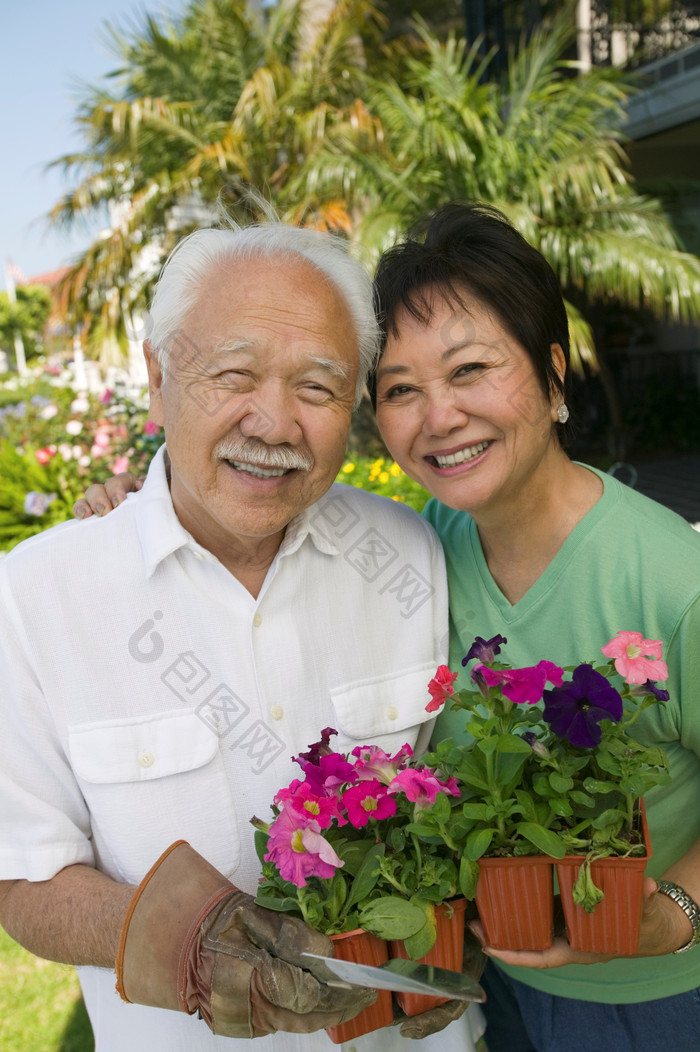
point(45, 47)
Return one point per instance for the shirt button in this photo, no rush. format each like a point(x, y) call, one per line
point(277, 712)
point(392, 712)
point(257, 620)
point(198, 555)
point(145, 759)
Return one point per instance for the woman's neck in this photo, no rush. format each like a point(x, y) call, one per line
point(520, 542)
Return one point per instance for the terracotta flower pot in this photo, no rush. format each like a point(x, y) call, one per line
point(363, 948)
point(446, 953)
point(613, 926)
point(515, 900)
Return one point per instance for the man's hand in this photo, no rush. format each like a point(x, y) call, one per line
point(193, 942)
point(100, 500)
point(664, 928)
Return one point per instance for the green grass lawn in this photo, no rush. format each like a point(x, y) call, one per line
point(41, 1009)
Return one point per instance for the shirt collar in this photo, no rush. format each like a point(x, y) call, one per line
point(161, 533)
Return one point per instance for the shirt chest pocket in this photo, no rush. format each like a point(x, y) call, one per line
point(151, 780)
point(388, 709)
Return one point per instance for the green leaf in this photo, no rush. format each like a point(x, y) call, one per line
point(478, 811)
point(260, 840)
point(487, 745)
point(424, 939)
point(478, 842)
point(543, 839)
point(392, 917)
point(468, 877)
point(559, 783)
point(367, 875)
point(513, 743)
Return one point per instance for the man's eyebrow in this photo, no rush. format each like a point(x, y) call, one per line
point(224, 347)
point(330, 365)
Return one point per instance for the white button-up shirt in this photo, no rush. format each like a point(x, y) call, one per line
point(147, 696)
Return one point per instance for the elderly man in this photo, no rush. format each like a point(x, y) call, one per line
point(162, 665)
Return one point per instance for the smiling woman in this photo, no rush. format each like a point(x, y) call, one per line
point(470, 393)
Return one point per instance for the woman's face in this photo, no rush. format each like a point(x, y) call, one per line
point(461, 409)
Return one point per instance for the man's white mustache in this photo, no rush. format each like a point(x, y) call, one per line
point(252, 451)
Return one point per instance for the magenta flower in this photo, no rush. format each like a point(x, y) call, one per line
point(300, 797)
point(575, 709)
point(523, 686)
point(149, 428)
point(373, 762)
point(331, 772)
point(296, 847)
point(485, 649)
point(421, 787)
point(440, 688)
point(368, 800)
point(636, 658)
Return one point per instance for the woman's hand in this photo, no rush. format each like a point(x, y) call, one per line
point(100, 500)
point(664, 928)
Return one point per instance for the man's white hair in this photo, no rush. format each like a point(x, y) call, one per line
point(195, 258)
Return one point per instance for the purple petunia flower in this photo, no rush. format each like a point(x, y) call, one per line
point(575, 709)
point(318, 749)
point(485, 649)
point(646, 690)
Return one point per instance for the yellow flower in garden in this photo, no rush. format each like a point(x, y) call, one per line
point(378, 464)
point(395, 470)
point(347, 468)
point(384, 476)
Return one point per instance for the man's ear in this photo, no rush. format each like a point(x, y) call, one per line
point(155, 384)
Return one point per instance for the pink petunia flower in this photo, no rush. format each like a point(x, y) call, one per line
point(300, 797)
point(421, 787)
point(523, 686)
point(296, 847)
point(368, 800)
point(636, 658)
point(440, 688)
point(372, 762)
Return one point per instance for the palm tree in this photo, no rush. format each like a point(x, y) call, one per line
point(543, 145)
point(218, 101)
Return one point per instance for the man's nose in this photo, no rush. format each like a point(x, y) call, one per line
point(270, 416)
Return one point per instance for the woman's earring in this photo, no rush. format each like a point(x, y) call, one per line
point(563, 413)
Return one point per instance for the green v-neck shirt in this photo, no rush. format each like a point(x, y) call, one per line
point(629, 565)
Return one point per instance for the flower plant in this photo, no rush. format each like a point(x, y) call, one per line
point(361, 841)
point(560, 777)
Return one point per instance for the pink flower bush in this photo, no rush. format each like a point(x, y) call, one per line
point(636, 659)
point(361, 845)
point(440, 687)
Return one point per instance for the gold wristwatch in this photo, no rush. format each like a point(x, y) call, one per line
point(689, 907)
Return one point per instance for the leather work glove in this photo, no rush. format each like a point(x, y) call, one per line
point(193, 942)
point(436, 1019)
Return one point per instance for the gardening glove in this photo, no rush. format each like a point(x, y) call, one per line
point(193, 942)
point(436, 1019)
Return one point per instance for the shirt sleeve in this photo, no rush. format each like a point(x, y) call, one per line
point(44, 823)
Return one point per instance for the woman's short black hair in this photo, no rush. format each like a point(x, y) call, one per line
point(472, 250)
